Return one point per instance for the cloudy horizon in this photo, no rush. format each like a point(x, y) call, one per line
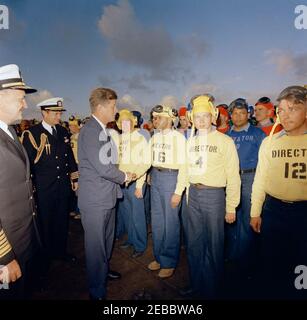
point(154, 52)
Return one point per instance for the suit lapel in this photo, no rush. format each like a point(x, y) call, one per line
point(17, 141)
point(112, 152)
point(17, 147)
point(97, 125)
point(94, 123)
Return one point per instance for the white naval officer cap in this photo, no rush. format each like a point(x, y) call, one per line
point(53, 104)
point(10, 78)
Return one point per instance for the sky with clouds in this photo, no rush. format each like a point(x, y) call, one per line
point(154, 51)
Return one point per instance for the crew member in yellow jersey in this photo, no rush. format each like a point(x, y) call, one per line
point(213, 166)
point(279, 198)
point(132, 147)
point(74, 128)
point(168, 181)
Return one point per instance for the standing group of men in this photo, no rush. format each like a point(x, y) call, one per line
point(216, 173)
point(50, 165)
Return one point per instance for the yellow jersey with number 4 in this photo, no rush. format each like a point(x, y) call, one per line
point(212, 160)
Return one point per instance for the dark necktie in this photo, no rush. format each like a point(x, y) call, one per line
point(54, 133)
point(13, 132)
point(16, 139)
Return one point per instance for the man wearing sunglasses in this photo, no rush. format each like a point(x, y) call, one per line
point(168, 181)
point(279, 199)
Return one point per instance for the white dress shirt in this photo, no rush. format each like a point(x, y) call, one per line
point(5, 128)
point(101, 124)
point(47, 126)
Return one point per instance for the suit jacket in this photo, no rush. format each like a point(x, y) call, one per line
point(99, 180)
point(17, 207)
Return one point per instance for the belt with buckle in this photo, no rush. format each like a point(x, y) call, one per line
point(247, 171)
point(203, 186)
point(166, 169)
point(287, 201)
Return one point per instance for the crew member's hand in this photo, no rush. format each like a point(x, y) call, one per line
point(138, 193)
point(74, 186)
point(14, 271)
point(256, 224)
point(148, 179)
point(230, 217)
point(128, 178)
point(175, 200)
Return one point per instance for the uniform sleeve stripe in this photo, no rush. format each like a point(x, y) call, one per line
point(5, 250)
point(3, 242)
point(5, 246)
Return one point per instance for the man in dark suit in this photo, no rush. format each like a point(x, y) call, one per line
point(99, 189)
point(54, 172)
point(17, 208)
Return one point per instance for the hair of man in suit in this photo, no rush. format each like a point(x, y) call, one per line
point(101, 96)
point(103, 104)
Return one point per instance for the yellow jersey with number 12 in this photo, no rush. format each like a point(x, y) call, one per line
point(281, 171)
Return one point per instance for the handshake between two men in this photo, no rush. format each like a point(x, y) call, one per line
point(129, 178)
